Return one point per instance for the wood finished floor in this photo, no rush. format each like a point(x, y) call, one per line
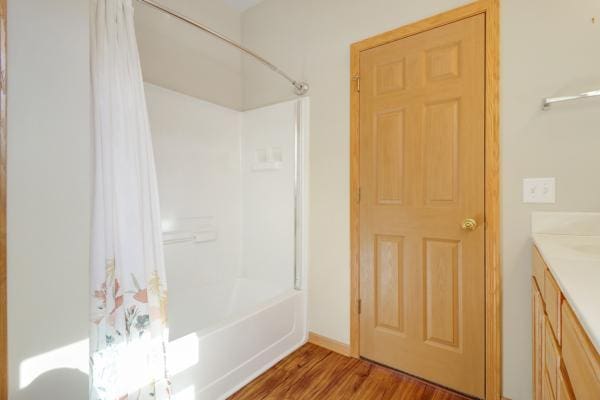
point(313, 372)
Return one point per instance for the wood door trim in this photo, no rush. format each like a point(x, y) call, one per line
point(493, 284)
point(3, 273)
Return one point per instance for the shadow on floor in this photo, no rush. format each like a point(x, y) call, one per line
point(63, 384)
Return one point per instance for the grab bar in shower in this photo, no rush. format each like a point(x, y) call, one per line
point(170, 238)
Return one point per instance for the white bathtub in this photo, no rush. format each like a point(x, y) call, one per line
point(239, 329)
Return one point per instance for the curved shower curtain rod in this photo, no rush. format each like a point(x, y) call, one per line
point(301, 88)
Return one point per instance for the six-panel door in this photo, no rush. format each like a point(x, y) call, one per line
point(421, 175)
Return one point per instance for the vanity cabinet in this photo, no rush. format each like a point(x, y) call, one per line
point(566, 365)
point(538, 340)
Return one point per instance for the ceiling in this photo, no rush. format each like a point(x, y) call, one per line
point(242, 5)
point(176, 56)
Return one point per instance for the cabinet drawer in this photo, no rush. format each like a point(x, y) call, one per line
point(551, 357)
point(538, 267)
point(581, 359)
point(552, 299)
point(564, 391)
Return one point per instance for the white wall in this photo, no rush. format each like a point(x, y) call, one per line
point(548, 47)
point(311, 40)
point(48, 197)
point(268, 233)
point(184, 59)
point(49, 161)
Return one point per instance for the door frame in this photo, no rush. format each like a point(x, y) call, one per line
point(493, 286)
point(3, 273)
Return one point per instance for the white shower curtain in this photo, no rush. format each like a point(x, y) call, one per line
point(128, 287)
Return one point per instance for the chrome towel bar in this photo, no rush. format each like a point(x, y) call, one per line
point(552, 100)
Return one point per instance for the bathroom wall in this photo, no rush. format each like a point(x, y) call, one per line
point(197, 150)
point(268, 191)
point(182, 58)
point(48, 198)
point(310, 40)
point(548, 48)
point(49, 164)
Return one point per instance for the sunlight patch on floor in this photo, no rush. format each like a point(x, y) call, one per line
point(183, 353)
point(73, 356)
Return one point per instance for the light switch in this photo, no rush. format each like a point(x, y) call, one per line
point(539, 190)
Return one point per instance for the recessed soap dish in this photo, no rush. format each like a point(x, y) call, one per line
point(268, 159)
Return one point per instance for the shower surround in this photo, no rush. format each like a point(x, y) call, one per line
point(227, 191)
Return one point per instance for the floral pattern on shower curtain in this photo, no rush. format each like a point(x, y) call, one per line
point(129, 334)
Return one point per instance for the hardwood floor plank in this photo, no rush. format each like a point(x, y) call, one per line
point(327, 376)
point(304, 357)
point(308, 382)
point(314, 373)
point(301, 360)
point(347, 387)
point(448, 395)
point(381, 384)
point(413, 389)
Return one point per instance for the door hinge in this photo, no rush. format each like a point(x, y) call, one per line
point(357, 79)
point(359, 306)
point(358, 195)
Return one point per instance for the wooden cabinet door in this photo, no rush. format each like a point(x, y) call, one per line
point(551, 356)
point(546, 389)
point(538, 340)
point(422, 125)
point(564, 391)
point(580, 357)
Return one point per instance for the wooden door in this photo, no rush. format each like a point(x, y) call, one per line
point(422, 144)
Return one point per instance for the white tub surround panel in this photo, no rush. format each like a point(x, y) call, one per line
point(197, 144)
point(268, 193)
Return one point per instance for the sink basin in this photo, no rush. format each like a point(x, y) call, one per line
point(572, 247)
point(577, 247)
point(587, 248)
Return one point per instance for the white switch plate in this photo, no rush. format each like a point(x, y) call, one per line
point(539, 190)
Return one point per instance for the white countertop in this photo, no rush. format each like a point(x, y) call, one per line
point(570, 245)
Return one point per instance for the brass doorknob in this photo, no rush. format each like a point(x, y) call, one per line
point(469, 224)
